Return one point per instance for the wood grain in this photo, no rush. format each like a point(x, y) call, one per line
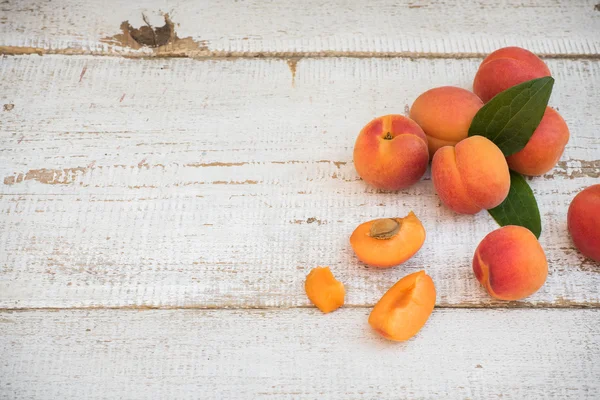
point(481, 354)
point(415, 28)
point(206, 184)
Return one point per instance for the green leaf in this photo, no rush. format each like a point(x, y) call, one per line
point(511, 117)
point(519, 207)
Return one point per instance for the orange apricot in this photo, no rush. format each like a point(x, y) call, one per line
point(471, 176)
point(583, 221)
point(388, 242)
point(510, 263)
point(544, 148)
point(404, 308)
point(323, 290)
point(391, 152)
point(445, 114)
point(505, 68)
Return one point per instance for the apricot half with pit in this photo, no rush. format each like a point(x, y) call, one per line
point(388, 242)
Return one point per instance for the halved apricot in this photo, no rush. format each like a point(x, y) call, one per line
point(404, 308)
point(389, 241)
point(323, 290)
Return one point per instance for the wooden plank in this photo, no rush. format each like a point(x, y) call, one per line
point(183, 183)
point(416, 28)
point(291, 354)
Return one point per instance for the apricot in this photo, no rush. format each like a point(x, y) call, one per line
point(510, 263)
point(391, 152)
point(545, 147)
point(404, 308)
point(445, 114)
point(323, 290)
point(583, 222)
point(389, 241)
point(505, 68)
point(471, 176)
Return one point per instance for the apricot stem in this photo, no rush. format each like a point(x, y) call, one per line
point(384, 228)
point(388, 136)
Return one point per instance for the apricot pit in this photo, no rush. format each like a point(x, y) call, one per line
point(388, 242)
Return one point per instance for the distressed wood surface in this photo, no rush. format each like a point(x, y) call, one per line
point(291, 354)
point(185, 183)
point(219, 183)
point(290, 28)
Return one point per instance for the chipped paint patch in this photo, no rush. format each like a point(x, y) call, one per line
point(9, 107)
point(48, 176)
point(161, 41)
point(293, 64)
point(311, 220)
point(575, 169)
point(216, 164)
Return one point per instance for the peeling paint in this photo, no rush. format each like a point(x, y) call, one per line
point(246, 182)
point(48, 176)
point(569, 169)
point(162, 41)
point(9, 107)
point(310, 220)
point(293, 64)
point(216, 164)
point(338, 164)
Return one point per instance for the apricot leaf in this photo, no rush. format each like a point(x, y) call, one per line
point(519, 207)
point(510, 118)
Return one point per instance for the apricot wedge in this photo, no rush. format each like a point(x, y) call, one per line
point(323, 290)
point(404, 308)
point(388, 242)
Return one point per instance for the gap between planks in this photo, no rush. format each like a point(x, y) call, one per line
point(513, 305)
point(202, 55)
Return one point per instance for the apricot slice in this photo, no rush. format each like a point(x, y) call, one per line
point(323, 290)
point(388, 242)
point(404, 308)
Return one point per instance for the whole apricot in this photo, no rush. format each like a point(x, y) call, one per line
point(510, 263)
point(445, 114)
point(505, 68)
point(323, 290)
point(391, 152)
point(471, 176)
point(583, 221)
point(389, 241)
point(404, 308)
point(545, 147)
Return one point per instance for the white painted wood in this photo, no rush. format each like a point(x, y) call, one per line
point(183, 183)
point(292, 354)
point(313, 27)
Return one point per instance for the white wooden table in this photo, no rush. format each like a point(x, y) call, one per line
point(161, 207)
